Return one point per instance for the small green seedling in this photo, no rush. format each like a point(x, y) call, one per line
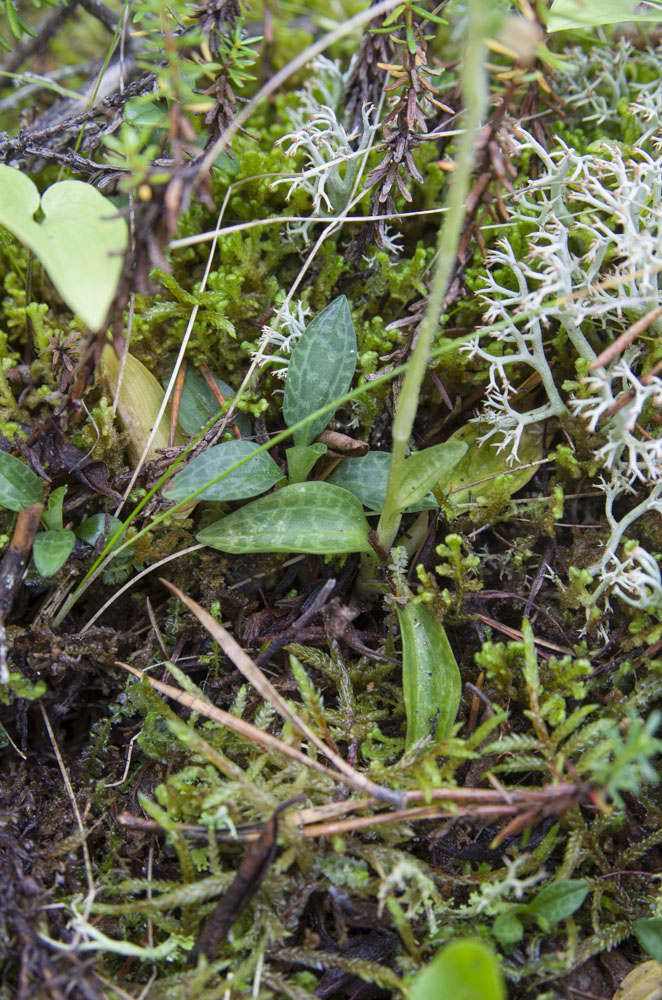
point(20, 487)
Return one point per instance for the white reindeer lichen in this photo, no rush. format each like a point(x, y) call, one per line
point(591, 270)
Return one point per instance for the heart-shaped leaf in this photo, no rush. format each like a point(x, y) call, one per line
point(80, 241)
point(51, 549)
point(255, 477)
point(465, 969)
point(19, 486)
point(320, 369)
point(307, 517)
point(367, 478)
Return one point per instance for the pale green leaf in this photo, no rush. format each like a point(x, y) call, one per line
point(431, 680)
point(424, 469)
point(320, 369)
point(301, 458)
point(367, 478)
point(309, 517)
point(482, 464)
point(80, 241)
point(256, 476)
point(593, 13)
point(19, 486)
point(465, 969)
point(51, 549)
point(52, 516)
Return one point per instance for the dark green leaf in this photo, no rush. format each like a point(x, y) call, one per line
point(367, 477)
point(559, 900)
point(256, 476)
point(320, 369)
point(465, 969)
point(649, 933)
point(51, 549)
point(99, 525)
point(199, 404)
point(301, 458)
point(308, 517)
point(19, 486)
point(430, 677)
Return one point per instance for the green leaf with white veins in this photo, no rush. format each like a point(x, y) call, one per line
point(80, 241)
point(256, 476)
point(320, 369)
point(308, 517)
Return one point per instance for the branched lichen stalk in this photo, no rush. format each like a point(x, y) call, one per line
point(474, 90)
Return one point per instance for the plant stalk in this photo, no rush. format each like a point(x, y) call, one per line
point(474, 91)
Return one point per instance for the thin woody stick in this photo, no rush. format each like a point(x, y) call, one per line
point(252, 673)
point(626, 338)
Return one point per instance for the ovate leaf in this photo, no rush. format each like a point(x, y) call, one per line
point(425, 468)
point(559, 900)
point(309, 517)
point(19, 486)
point(430, 676)
point(320, 369)
point(80, 241)
point(367, 477)
point(51, 549)
point(465, 969)
point(256, 476)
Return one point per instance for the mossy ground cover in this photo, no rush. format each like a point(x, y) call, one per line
point(153, 846)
